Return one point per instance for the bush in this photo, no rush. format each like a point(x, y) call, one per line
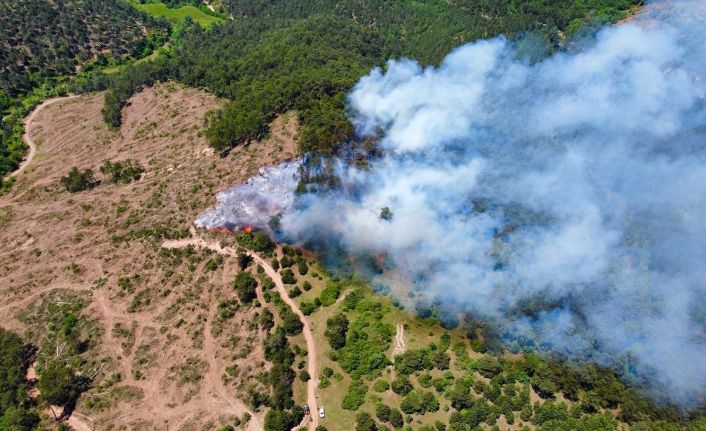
point(291, 323)
point(123, 172)
point(59, 385)
point(355, 397)
point(306, 286)
point(304, 376)
point(267, 320)
point(245, 286)
point(401, 385)
point(258, 241)
point(76, 181)
point(15, 358)
point(382, 411)
point(413, 360)
point(336, 329)
point(294, 292)
point(396, 419)
point(309, 307)
point(244, 261)
point(288, 276)
point(381, 386)
point(365, 422)
point(302, 267)
point(419, 402)
point(330, 293)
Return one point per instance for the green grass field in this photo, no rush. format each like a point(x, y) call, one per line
point(160, 9)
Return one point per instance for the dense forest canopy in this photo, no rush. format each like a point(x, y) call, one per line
point(42, 40)
point(304, 55)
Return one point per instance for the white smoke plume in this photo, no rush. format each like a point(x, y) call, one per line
point(255, 202)
point(579, 181)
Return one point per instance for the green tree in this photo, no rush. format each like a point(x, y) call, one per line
point(59, 384)
point(245, 286)
point(18, 418)
point(288, 276)
point(76, 181)
point(401, 385)
point(244, 261)
point(355, 396)
point(365, 422)
point(336, 329)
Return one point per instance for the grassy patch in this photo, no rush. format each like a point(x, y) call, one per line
point(161, 10)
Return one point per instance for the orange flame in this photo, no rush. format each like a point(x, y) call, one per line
point(247, 229)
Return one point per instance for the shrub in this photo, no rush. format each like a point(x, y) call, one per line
point(382, 412)
point(245, 286)
point(306, 286)
point(355, 397)
point(76, 181)
point(365, 422)
point(304, 376)
point(59, 385)
point(291, 323)
point(302, 267)
point(244, 260)
point(336, 329)
point(288, 276)
point(330, 293)
point(381, 386)
point(309, 307)
point(419, 402)
point(396, 419)
point(123, 172)
point(550, 411)
point(267, 320)
point(294, 292)
point(258, 241)
point(401, 385)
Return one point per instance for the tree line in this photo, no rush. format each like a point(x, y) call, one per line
point(306, 55)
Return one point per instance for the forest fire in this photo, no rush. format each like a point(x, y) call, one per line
point(247, 229)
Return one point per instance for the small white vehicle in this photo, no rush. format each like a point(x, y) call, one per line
point(321, 412)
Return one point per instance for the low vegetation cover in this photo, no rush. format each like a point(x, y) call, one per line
point(176, 11)
point(460, 379)
point(119, 172)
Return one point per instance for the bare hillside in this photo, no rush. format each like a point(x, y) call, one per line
point(158, 338)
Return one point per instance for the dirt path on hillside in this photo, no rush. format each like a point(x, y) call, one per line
point(213, 375)
point(195, 241)
point(28, 140)
point(400, 345)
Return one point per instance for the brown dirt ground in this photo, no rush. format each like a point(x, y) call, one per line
point(158, 311)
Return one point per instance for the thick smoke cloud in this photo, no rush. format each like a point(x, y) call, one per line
point(576, 184)
point(579, 181)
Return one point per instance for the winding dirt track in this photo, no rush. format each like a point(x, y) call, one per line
point(195, 241)
point(28, 140)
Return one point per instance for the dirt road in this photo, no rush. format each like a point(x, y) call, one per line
point(25, 136)
point(400, 345)
point(274, 275)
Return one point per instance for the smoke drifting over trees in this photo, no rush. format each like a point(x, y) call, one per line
point(576, 184)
